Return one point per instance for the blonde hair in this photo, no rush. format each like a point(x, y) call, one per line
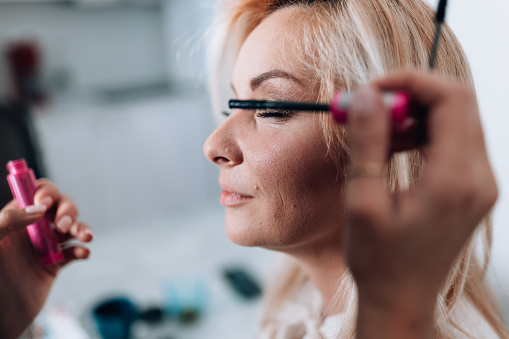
point(347, 43)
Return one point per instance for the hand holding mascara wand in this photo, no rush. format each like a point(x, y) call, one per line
point(400, 103)
point(401, 244)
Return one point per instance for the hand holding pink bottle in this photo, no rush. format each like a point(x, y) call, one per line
point(23, 186)
point(24, 282)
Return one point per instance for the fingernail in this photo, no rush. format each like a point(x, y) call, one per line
point(82, 253)
point(89, 233)
point(35, 209)
point(48, 201)
point(64, 223)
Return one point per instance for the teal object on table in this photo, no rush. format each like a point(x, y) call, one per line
point(185, 298)
point(115, 317)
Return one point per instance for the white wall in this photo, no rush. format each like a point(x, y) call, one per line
point(184, 23)
point(130, 162)
point(483, 29)
point(98, 47)
point(134, 159)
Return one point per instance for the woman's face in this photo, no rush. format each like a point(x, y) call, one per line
point(280, 189)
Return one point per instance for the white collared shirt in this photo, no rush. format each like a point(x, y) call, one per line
point(300, 318)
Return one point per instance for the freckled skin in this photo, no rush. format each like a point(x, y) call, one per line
point(282, 163)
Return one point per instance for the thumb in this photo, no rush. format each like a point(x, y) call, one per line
point(13, 218)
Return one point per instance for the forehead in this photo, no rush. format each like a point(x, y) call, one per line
point(272, 45)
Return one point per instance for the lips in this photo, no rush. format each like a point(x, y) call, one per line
point(232, 198)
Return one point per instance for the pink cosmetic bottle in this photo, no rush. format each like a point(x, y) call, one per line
point(397, 102)
point(23, 186)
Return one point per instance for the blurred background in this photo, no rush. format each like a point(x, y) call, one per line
point(111, 96)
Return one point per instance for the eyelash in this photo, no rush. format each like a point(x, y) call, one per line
point(274, 114)
point(267, 114)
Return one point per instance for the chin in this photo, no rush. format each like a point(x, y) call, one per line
point(244, 231)
point(240, 234)
point(256, 234)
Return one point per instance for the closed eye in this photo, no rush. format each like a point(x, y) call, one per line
point(266, 114)
point(274, 114)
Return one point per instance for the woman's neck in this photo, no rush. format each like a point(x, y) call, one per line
point(325, 265)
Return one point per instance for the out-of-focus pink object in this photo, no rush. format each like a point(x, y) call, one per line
point(397, 102)
point(23, 186)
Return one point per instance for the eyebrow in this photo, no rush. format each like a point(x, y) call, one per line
point(259, 79)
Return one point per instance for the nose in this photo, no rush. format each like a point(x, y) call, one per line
point(222, 147)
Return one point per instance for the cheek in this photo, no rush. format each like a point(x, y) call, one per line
point(296, 183)
point(291, 164)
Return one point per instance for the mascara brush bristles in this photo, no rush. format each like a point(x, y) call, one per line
point(293, 106)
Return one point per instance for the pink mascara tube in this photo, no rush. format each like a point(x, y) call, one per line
point(23, 186)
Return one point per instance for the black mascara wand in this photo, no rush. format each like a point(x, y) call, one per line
point(422, 115)
point(439, 20)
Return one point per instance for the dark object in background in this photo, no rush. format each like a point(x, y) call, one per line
point(189, 316)
point(17, 140)
point(243, 283)
point(152, 315)
point(24, 59)
point(115, 317)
